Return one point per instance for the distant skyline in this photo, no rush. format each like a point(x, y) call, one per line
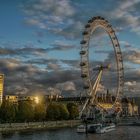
point(40, 42)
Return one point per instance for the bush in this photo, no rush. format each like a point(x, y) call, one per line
point(73, 110)
point(57, 111)
point(64, 114)
point(25, 111)
point(40, 112)
point(7, 112)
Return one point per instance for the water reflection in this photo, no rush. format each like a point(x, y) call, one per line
point(7, 135)
point(122, 133)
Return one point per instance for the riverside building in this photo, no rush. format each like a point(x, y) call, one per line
point(1, 87)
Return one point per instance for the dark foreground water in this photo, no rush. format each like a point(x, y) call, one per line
point(121, 133)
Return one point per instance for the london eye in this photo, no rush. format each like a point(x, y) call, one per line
point(91, 80)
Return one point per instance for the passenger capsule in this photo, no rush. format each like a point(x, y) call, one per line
point(85, 33)
point(82, 64)
point(119, 53)
point(83, 75)
point(97, 17)
point(83, 42)
point(112, 31)
point(94, 18)
point(87, 26)
point(121, 68)
point(82, 52)
point(102, 18)
point(114, 38)
point(86, 87)
point(108, 26)
point(121, 77)
point(90, 21)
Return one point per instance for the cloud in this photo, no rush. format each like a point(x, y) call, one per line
point(131, 88)
point(47, 13)
point(66, 86)
point(129, 83)
point(22, 51)
point(125, 44)
point(64, 17)
point(61, 46)
point(52, 66)
point(125, 16)
point(132, 56)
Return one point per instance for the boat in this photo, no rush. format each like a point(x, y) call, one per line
point(106, 128)
point(91, 128)
point(81, 129)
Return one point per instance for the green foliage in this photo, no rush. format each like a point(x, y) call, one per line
point(73, 110)
point(25, 111)
point(40, 112)
point(64, 114)
point(57, 111)
point(7, 112)
point(53, 112)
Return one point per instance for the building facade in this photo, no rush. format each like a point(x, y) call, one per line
point(1, 87)
point(129, 108)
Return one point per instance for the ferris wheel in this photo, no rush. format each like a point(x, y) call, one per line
point(91, 86)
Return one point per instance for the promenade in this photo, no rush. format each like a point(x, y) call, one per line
point(38, 125)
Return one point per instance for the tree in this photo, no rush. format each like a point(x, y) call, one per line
point(25, 111)
point(40, 112)
point(53, 112)
point(7, 111)
point(64, 114)
point(57, 111)
point(73, 110)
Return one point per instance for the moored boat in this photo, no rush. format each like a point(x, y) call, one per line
point(106, 128)
point(81, 129)
point(91, 128)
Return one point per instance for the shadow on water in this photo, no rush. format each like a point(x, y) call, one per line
point(25, 133)
point(7, 135)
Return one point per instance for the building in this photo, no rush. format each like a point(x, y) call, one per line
point(11, 98)
point(129, 108)
point(1, 87)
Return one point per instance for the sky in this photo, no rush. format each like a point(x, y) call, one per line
point(40, 43)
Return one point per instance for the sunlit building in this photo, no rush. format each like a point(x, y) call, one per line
point(11, 98)
point(129, 108)
point(1, 87)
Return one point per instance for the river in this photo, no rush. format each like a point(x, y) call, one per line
point(121, 133)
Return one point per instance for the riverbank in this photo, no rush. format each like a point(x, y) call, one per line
point(7, 127)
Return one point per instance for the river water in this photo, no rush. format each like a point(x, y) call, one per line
point(121, 133)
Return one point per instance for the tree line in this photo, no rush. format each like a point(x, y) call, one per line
point(26, 111)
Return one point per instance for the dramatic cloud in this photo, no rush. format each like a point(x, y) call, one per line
point(132, 56)
point(50, 15)
point(23, 51)
point(53, 66)
point(61, 46)
point(66, 86)
point(50, 61)
point(47, 13)
point(124, 15)
point(133, 83)
point(125, 44)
